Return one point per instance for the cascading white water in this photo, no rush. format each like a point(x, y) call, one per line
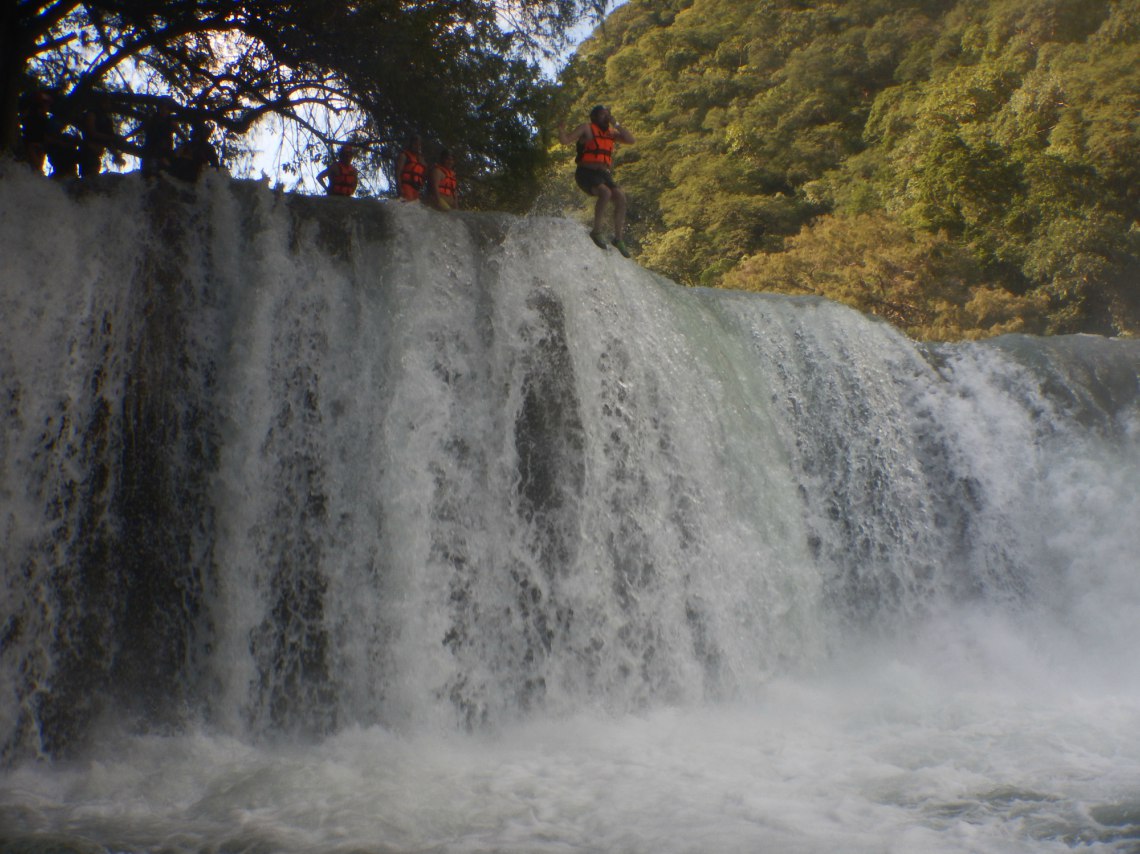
point(349, 526)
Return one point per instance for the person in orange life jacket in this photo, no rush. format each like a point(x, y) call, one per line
point(443, 189)
point(341, 174)
point(595, 140)
point(411, 171)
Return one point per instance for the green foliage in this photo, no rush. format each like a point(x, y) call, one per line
point(926, 284)
point(1002, 134)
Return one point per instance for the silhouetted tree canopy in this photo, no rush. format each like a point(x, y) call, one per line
point(461, 72)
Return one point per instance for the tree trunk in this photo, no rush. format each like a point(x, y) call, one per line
point(10, 67)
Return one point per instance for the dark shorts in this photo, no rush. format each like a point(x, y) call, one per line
point(587, 178)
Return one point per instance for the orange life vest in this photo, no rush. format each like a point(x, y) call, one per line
point(448, 186)
point(599, 149)
point(342, 179)
point(412, 176)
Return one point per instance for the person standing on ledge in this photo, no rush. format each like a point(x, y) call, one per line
point(340, 178)
point(595, 141)
point(411, 172)
point(97, 135)
point(158, 139)
point(443, 187)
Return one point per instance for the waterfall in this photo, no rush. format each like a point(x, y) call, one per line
point(279, 467)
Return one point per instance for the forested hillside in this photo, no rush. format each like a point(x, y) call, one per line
point(960, 167)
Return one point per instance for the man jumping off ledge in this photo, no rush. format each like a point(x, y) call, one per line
point(595, 140)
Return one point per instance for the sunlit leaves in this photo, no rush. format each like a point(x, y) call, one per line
point(1005, 130)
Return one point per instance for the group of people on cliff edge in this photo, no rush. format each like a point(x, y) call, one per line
point(438, 186)
point(45, 138)
point(73, 138)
